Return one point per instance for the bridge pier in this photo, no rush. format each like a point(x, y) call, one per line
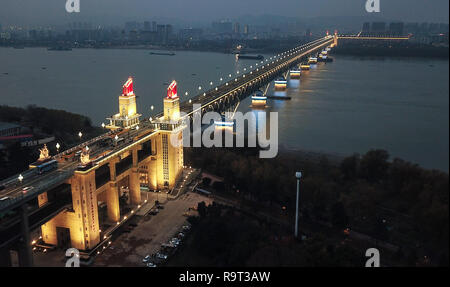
point(134, 183)
point(25, 252)
point(112, 202)
point(135, 186)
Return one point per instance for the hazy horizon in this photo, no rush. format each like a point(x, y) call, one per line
point(198, 12)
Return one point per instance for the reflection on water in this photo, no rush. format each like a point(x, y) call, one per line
point(349, 105)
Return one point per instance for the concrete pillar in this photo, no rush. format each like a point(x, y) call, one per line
point(135, 186)
point(134, 183)
point(112, 202)
point(25, 252)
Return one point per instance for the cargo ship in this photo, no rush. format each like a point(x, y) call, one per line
point(59, 48)
point(250, 57)
point(163, 53)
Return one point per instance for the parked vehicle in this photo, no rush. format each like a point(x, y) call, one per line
point(146, 259)
point(161, 256)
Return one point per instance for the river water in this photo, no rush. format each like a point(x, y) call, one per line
point(351, 105)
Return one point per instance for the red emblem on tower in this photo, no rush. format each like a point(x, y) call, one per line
point(128, 87)
point(172, 90)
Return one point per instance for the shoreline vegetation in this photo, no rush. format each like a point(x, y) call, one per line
point(271, 46)
point(397, 205)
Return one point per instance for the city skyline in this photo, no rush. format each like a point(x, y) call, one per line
point(52, 12)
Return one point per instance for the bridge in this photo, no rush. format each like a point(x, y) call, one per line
point(100, 171)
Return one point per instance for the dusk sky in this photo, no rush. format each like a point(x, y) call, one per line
point(204, 11)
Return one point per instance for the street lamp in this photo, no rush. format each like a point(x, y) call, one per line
point(103, 125)
point(152, 107)
point(20, 178)
point(80, 135)
point(57, 147)
point(298, 175)
point(137, 128)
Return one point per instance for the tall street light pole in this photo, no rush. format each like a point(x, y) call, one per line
point(298, 175)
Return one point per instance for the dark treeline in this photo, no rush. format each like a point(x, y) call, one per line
point(390, 200)
point(41, 122)
point(49, 121)
point(223, 236)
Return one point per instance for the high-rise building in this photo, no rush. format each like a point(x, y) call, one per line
point(396, 28)
point(366, 28)
point(237, 28)
point(147, 26)
point(222, 27)
point(378, 27)
point(246, 30)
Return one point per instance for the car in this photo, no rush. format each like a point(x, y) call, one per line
point(146, 259)
point(160, 207)
point(161, 256)
point(151, 264)
point(181, 234)
point(186, 227)
point(26, 189)
point(154, 212)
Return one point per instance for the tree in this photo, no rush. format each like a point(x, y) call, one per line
point(339, 216)
point(374, 165)
point(201, 208)
point(349, 167)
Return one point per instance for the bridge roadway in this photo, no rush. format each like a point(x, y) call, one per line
point(13, 189)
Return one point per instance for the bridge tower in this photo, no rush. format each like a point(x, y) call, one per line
point(127, 116)
point(169, 142)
